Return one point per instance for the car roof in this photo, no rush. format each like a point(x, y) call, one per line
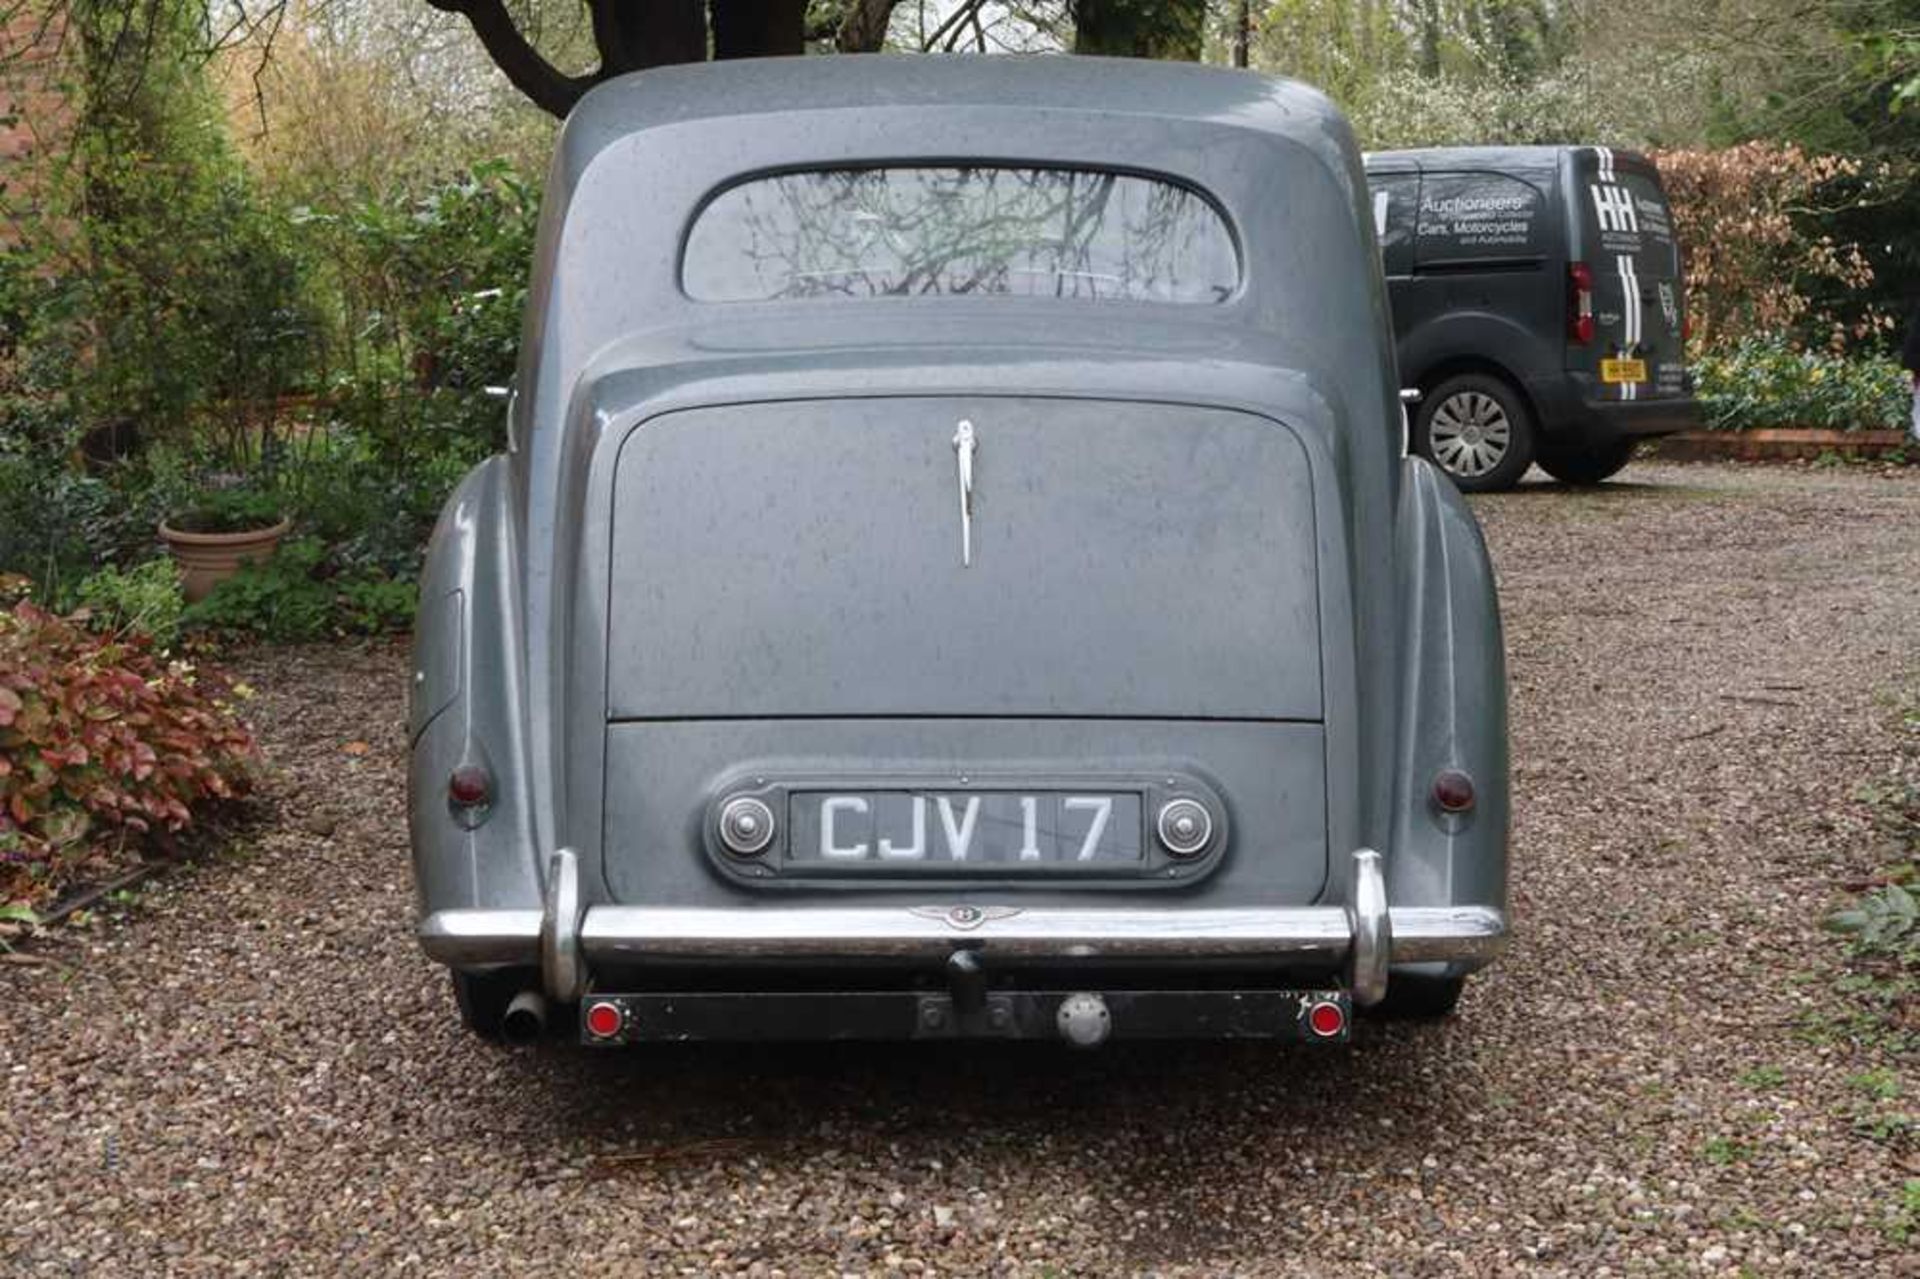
point(642, 154)
point(1514, 159)
point(1125, 89)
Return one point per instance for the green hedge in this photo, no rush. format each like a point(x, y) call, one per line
point(1766, 382)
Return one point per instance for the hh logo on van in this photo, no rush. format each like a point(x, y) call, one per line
point(1613, 205)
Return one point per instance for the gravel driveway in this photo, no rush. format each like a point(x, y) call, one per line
point(258, 1071)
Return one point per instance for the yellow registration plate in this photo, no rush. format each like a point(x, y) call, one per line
point(1623, 370)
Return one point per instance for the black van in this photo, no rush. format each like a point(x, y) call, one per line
point(1537, 305)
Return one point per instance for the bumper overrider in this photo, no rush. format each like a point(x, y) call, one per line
point(568, 941)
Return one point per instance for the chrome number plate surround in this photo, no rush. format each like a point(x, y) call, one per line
point(893, 829)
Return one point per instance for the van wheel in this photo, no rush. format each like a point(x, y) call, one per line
point(1418, 998)
point(1579, 462)
point(1476, 429)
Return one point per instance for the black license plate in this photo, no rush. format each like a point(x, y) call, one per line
point(953, 829)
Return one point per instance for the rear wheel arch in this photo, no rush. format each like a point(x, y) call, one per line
point(1458, 395)
point(1439, 371)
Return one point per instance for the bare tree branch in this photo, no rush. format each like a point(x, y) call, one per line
point(952, 29)
point(548, 88)
point(49, 21)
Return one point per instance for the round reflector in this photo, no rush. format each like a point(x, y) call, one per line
point(1453, 791)
point(1326, 1019)
point(604, 1020)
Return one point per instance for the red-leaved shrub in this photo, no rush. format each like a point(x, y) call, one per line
point(1749, 221)
point(106, 750)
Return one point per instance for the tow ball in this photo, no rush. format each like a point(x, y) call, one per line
point(1084, 1020)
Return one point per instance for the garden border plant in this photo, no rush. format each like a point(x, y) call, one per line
point(109, 751)
point(1880, 921)
point(1769, 382)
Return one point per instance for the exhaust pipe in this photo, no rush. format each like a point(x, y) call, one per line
point(525, 1021)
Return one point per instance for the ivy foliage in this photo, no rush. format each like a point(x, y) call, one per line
point(189, 291)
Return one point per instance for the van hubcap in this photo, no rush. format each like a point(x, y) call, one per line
point(1469, 433)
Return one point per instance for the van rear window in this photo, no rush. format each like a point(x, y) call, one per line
point(1624, 213)
point(1027, 232)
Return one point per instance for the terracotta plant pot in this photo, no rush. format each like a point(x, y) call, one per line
point(207, 559)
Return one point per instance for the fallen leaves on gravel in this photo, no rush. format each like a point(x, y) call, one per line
point(261, 1073)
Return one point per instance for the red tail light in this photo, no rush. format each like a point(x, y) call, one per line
point(605, 1019)
point(1453, 791)
point(1326, 1019)
point(1580, 303)
point(470, 786)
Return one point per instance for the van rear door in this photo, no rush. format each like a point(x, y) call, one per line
point(1625, 244)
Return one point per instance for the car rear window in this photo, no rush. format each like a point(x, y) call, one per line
point(1025, 232)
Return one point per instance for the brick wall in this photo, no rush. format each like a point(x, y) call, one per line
point(34, 111)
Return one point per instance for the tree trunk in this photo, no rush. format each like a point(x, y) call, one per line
point(632, 35)
point(759, 28)
point(1140, 28)
point(662, 33)
point(864, 28)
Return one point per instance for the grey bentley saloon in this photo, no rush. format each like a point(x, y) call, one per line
point(957, 572)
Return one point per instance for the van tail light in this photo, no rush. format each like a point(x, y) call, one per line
point(1580, 303)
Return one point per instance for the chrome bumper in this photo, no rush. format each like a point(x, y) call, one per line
point(1364, 935)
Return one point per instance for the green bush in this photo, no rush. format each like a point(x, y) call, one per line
point(192, 293)
point(432, 285)
point(145, 600)
point(372, 605)
point(193, 308)
point(54, 518)
point(1767, 382)
point(281, 599)
point(374, 515)
point(301, 594)
point(105, 751)
point(235, 510)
